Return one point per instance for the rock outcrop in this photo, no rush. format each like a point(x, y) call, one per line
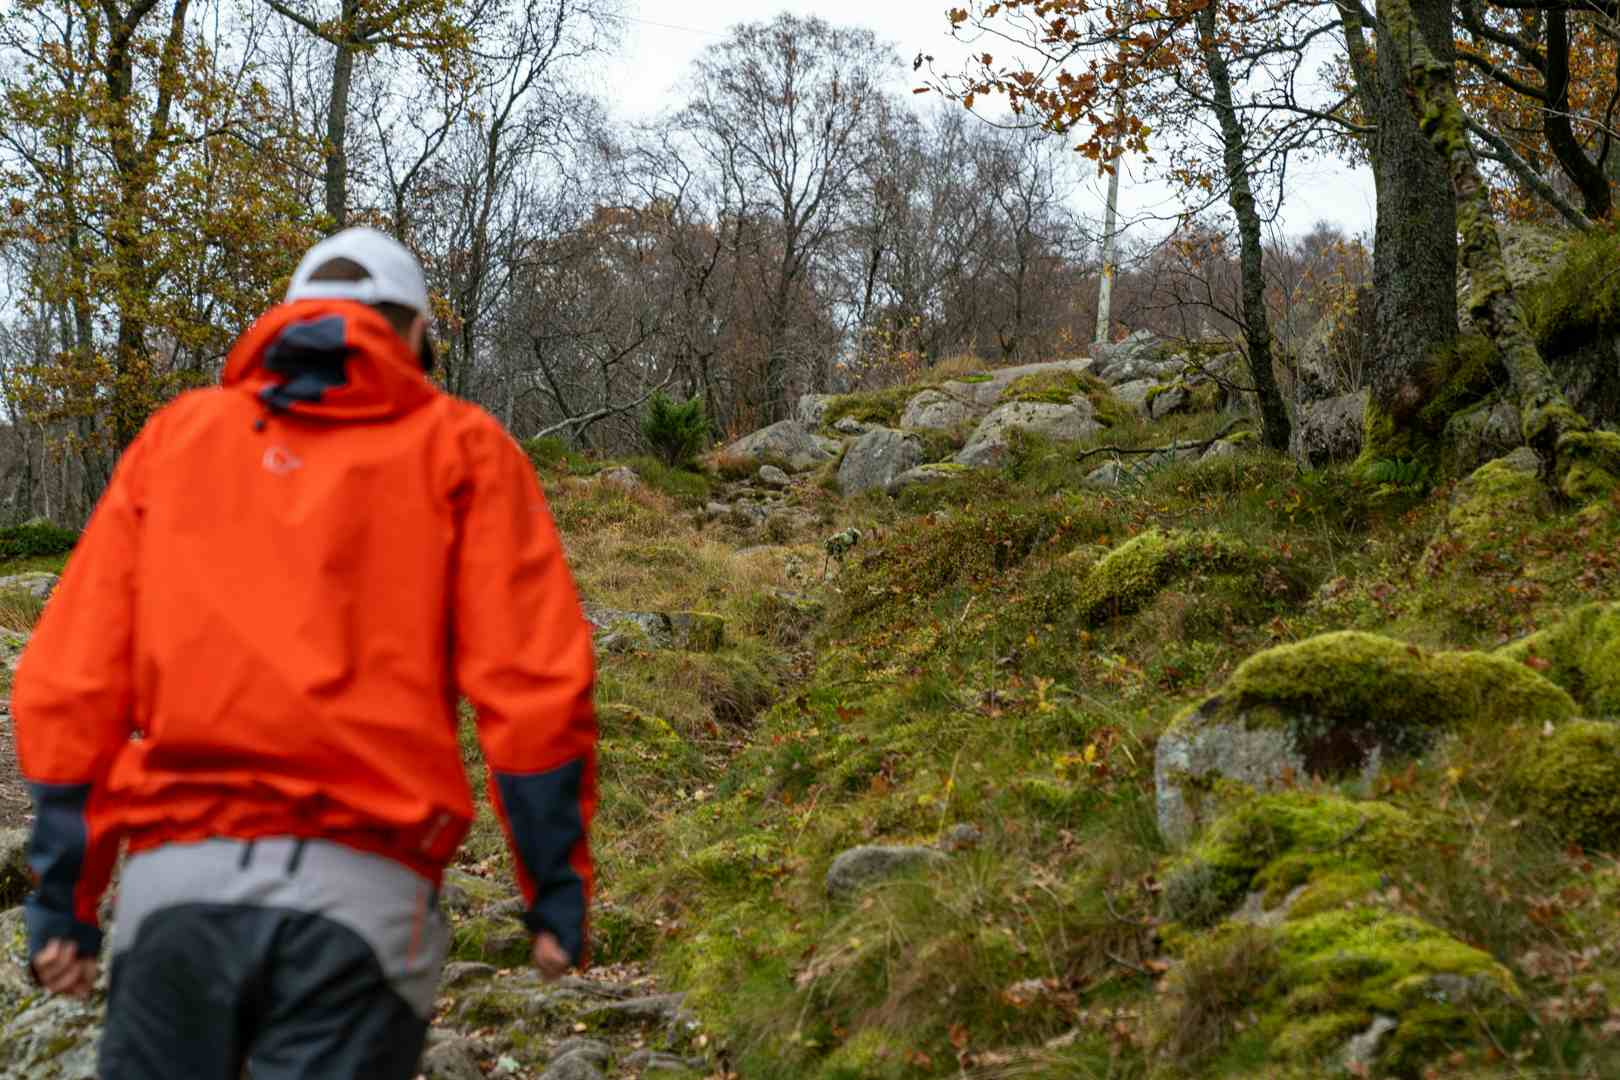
point(877, 459)
point(789, 445)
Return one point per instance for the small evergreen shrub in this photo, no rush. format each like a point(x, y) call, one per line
point(35, 540)
point(676, 430)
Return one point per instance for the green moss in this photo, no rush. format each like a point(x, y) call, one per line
point(1581, 299)
point(1588, 464)
point(1572, 782)
point(868, 1055)
point(1046, 387)
point(870, 406)
point(1338, 690)
point(1137, 570)
point(1277, 843)
point(1352, 965)
point(1463, 376)
point(1505, 495)
point(1581, 653)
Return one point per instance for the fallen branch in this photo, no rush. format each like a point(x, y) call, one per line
point(603, 413)
point(1173, 448)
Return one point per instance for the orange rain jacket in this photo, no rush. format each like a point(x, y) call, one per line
point(267, 624)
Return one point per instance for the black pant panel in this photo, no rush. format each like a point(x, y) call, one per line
point(297, 996)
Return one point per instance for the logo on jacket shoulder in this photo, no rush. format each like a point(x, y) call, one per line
point(281, 462)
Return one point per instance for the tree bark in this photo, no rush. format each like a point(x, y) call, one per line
point(1274, 423)
point(337, 127)
point(1414, 249)
point(1582, 463)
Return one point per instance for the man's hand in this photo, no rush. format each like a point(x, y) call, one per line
point(61, 969)
point(549, 957)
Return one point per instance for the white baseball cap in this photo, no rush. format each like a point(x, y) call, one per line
point(396, 276)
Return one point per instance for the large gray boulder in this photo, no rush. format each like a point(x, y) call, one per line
point(941, 410)
point(984, 391)
point(877, 459)
point(860, 867)
point(1135, 393)
point(1330, 430)
point(1140, 356)
point(788, 444)
point(1065, 423)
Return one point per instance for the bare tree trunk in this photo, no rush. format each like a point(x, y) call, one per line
point(1274, 424)
point(337, 129)
point(1110, 251)
point(1583, 463)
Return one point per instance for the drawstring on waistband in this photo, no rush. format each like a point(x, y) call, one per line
point(295, 858)
point(247, 856)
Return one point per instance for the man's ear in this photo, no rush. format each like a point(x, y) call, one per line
point(417, 339)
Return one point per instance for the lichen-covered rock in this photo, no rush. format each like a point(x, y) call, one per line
point(848, 425)
point(623, 631)
point(1342, 704)
point(1571, 781)
point(877, 459)
point(787, 444)
point(1140, 356)
point(619, 476)
point(1482, 433)
point(773, 477)
point(1330, 430)
point(1066, 423)
point(812, 410)
point(940, 410)
point(37, 584)
point(1581, 653)
point(491, 940)
point(52, 1038)
point(927, 474)
point(860, 867)
point(1165, 399)
point(1135, 394)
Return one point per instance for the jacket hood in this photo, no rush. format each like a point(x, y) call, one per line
point(328, 359)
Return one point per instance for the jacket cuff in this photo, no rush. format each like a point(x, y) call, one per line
point(47, 924)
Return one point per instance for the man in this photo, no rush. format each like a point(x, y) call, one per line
point(250, 674)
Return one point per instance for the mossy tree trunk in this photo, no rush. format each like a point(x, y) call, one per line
point(1415, 240)
point(1582, 462)
point(1240, 193)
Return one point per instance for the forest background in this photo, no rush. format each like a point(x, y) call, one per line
point(815, 210)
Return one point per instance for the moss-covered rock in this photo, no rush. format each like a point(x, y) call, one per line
point(1278, 846)
point(1337, 705)
point(1500, 496)
point(1581, 653)
point(1571, 780)
point(1588, 464)
point(504, 942)
point(1136, 571)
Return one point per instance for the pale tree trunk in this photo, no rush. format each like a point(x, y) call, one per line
point(1583, 463)
point(1240, 193)
point(1110, 254)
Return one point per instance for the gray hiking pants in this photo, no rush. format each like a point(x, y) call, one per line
point(302, 960)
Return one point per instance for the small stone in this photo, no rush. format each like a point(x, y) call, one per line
point(857, 868)
point(714, 510)
point(653, 1008)
point(848, 425)
point(772, 477)
point(1362, 1052)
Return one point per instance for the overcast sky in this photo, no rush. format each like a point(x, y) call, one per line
point(660, 41)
